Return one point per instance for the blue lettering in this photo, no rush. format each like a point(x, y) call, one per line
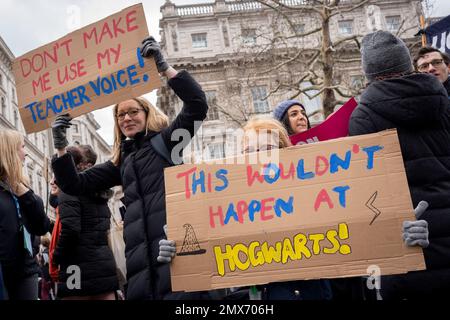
point(287, 207)
point(301, 174)
point(221, 174)
point(266, 173)
point(253, 207)
point(231, 213)
point(370, 151)
point(120, 73)
point(341, 190)
point(200, 181)
point(336, 162)
point(33, 115)
point(132, 74)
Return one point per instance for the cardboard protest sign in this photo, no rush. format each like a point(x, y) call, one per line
point(336, 126)
point(323, 210)
point(88, 69)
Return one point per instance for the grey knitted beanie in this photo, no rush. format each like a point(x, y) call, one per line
point(383, 53)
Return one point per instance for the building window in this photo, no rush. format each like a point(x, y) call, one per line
point(216, 151)
point(346, 27)
point(226, 40)
point(16, 119)
point(260, 105)
point(249, 36)
point(1, 80)
point(13, 94)
point(3, 105)
point(357, 82)
point(314, 104)
point(393, 23)
point(75, 128)
point(213, 113)
point(299, 28)
point(199, 40)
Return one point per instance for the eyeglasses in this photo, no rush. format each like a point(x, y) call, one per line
point(132, 113)
point(435, 63)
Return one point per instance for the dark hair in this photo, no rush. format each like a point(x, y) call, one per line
point(75, 152)
point(424, 50)
point(287, 124)
point(89, 155)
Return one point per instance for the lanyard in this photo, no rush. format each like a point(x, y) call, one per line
point(23, 229)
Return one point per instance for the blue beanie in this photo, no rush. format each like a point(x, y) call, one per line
point(283, 107)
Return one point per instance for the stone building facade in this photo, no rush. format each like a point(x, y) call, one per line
point(214, 40)
point(39, 146)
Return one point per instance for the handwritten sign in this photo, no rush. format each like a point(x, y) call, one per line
point(88, 69)
point(324, 210)
point(336, 126)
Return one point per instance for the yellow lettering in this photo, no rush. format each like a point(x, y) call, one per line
point(259, 258)
point(288, 251)
point(331, 236)
point(300, 246)
point(316, 238)
point(270, 253)
point(239, 264)
point(222, 256)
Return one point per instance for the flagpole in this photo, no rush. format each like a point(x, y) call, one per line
point(422, 27)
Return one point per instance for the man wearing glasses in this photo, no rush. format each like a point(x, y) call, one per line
point(431, 60)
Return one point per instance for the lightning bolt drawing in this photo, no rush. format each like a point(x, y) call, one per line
point(369, 204)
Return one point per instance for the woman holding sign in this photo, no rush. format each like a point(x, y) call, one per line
point(292, 114)
point(21, 214)
point(142, 132)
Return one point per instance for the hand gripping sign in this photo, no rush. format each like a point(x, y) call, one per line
point(88, 69)
point(323, 210)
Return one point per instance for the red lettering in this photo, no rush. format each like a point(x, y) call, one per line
point(209, 181)
point(66, 44)
point(290, 174)
point(88, 36)
point(105, 31)
point(80, 65)
point(265, 208)
point(116, 28)
point(252, 176)
point(101, 56)
point(186, 174)
point(212, 214)
point(131, 17)
point(22, 67)
point(323, 197)
point(41, 83)
point(241, 208)
point(325, 163)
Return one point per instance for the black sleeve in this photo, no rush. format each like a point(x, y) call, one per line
point(70, 217)
point(33, 213)
point(100, 177)
point(194, 107)
point(360, 123)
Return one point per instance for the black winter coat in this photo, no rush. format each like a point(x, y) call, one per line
point(141, 173)
point(83, 242)
point(418, 107)
point(15, 260)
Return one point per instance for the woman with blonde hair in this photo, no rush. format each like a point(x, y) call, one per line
point(142, 132)
point(21, 214)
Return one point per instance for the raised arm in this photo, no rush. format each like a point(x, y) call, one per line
point(98, 178)
point(186, 88)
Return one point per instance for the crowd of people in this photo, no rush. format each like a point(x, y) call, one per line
point(411, 95)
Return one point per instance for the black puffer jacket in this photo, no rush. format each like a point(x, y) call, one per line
point(16, 262)
point(142, 177)
point(418, 106)
point(83, 242)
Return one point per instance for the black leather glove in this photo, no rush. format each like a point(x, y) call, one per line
point(59, 127)
point(150, 48)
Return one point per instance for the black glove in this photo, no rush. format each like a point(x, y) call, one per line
point(59, 127)
point(151, 48)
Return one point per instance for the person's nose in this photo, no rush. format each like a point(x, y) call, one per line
point(431, 68)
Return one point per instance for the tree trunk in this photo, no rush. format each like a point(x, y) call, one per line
point(328, 96)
